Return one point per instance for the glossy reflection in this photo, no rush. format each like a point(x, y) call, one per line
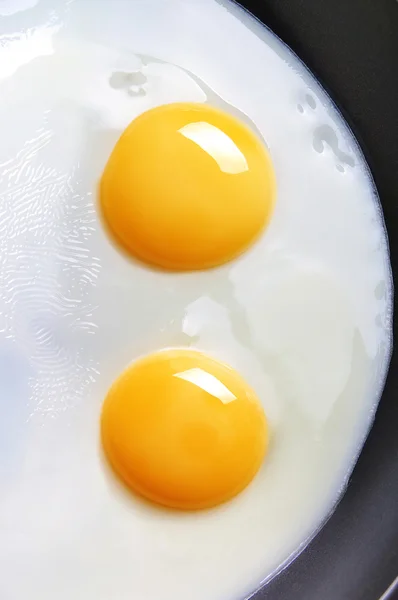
point(183, 430)
point(218, 145)
point(187, 186)
point(208, 383)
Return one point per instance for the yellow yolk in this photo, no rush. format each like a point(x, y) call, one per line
point(187, 186)
point(183, 430)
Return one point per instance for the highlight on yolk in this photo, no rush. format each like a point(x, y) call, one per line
point(183, 430)
point(187, 186)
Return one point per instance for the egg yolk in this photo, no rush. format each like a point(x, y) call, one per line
point(187, 186)
point(183, 430)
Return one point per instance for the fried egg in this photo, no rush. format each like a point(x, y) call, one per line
point(184, 430)
point(187, 187)
point(300, 310)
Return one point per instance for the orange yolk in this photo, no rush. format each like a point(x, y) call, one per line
point(183, 430)
point(187, 186)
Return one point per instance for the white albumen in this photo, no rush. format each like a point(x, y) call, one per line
point(305, 315)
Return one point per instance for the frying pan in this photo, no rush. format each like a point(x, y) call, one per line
point(352, 48)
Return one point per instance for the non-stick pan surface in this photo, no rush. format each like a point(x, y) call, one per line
point(352, 47)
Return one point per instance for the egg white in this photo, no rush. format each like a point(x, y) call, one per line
point(304, 316)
